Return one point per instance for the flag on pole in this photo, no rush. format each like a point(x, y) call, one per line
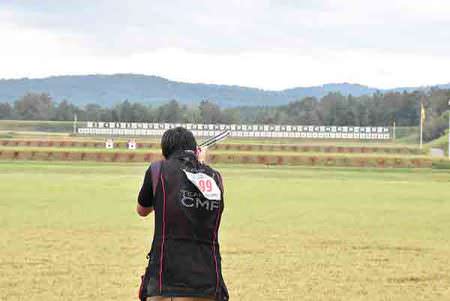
point(422, 119)
point(422, 113)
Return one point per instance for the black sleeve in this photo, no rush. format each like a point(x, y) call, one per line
point(219, 177)
point(145, 198)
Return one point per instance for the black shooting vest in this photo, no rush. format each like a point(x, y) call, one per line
point(184, 260)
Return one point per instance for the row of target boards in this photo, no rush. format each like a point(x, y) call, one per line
point(245, 134)
point(236, 127)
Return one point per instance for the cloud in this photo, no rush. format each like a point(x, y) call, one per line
point(268, 44)
point(243, 25)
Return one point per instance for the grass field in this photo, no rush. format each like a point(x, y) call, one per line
point(243, 152)
point(441, 142)
point(69, 232)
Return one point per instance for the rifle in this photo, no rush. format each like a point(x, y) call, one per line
point(216, 139)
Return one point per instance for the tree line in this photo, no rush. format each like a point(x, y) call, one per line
point(379, 109)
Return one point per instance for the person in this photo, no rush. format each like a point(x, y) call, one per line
point(186, 196)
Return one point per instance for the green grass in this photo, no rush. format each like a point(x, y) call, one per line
point(408, 135)
point(37, 125)
point(34, 134)
point(218, 152)
point(441, 142)
point(69, 232)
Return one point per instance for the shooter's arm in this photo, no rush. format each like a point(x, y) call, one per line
point(201, 154)
point(143, 211)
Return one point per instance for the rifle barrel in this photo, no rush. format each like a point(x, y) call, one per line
point(213, 140)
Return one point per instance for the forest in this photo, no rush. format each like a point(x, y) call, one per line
point(378, 109)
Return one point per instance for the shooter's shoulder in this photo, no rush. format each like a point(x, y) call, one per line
point(154, 166)
point(211, 170)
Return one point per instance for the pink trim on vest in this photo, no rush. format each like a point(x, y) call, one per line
point(161, 255)
point(214, 247)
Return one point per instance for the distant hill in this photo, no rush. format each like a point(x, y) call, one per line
point(109, 89)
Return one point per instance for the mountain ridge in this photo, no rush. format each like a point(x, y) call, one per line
point(107, 90)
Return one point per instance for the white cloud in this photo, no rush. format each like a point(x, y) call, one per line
point(266, 44)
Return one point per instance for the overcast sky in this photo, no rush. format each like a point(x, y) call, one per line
point(258, 43)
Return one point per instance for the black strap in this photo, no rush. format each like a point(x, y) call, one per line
point(219, 176)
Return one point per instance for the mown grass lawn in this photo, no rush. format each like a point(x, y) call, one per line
point(69, 232)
